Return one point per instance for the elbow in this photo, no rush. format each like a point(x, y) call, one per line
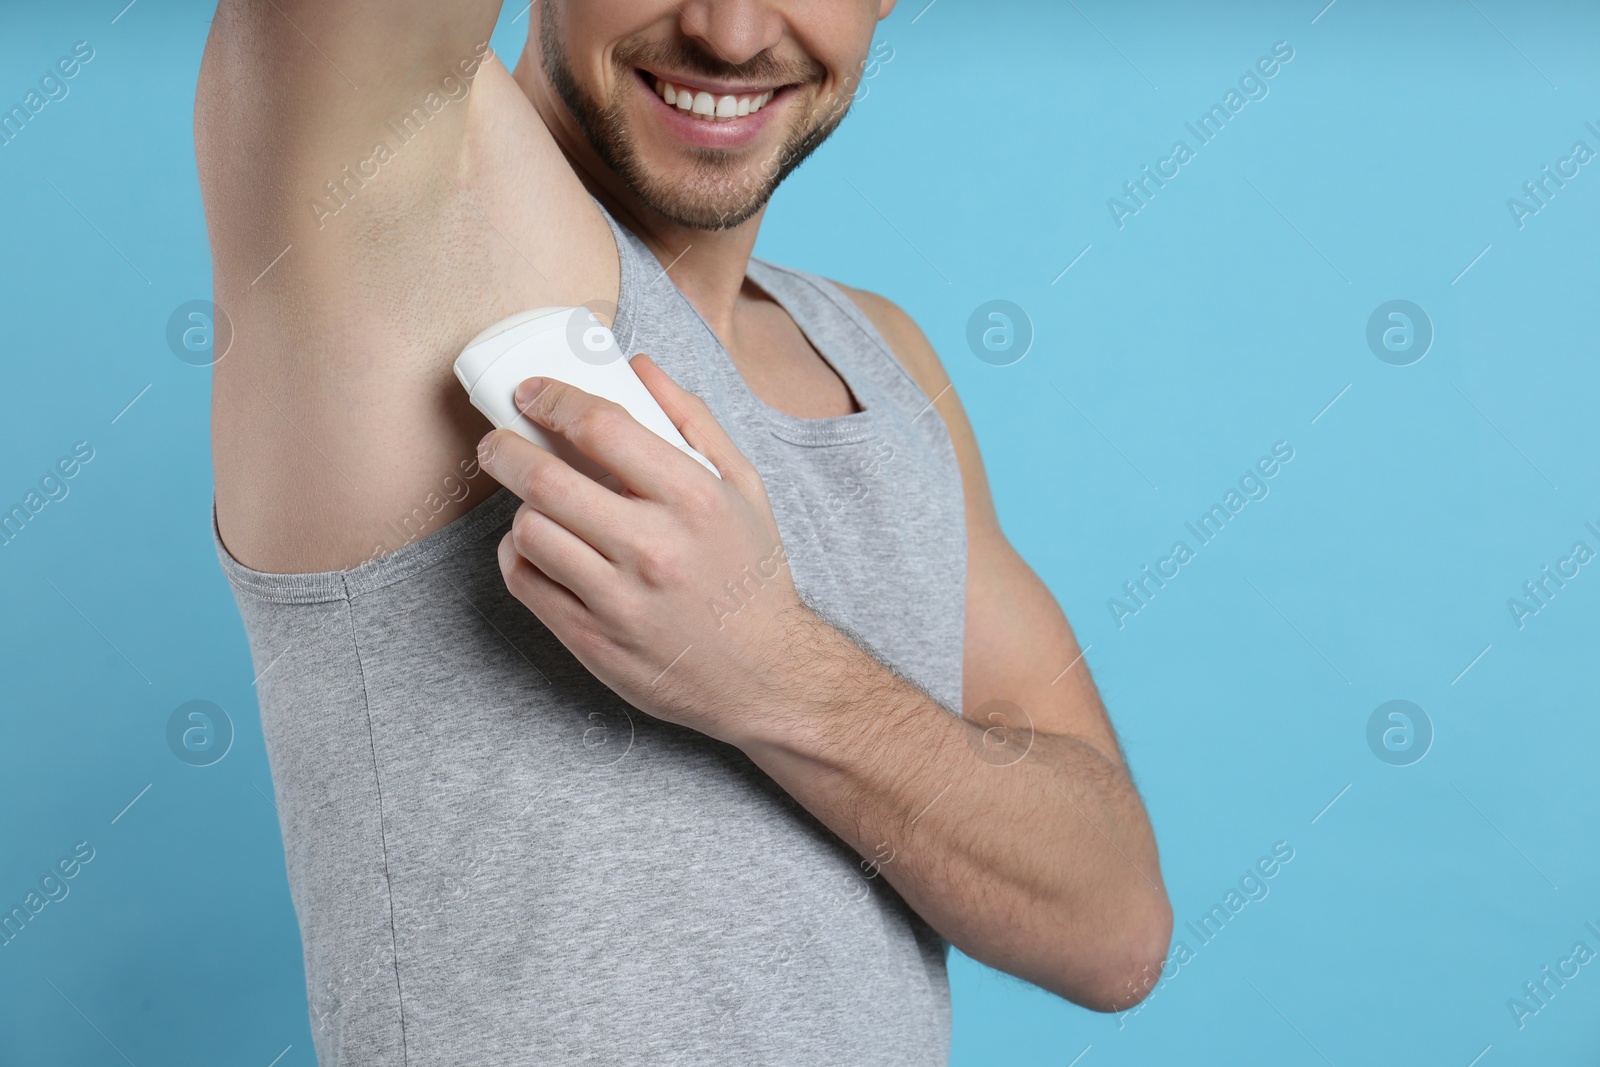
point(1132, 955)
point(1109, 963)
point(1135, 955)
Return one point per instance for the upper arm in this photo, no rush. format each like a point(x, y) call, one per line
point(378, 189)
point(1018, 645)
point(326, 68)
point(384, 141)
point(294, 102)
point(287, 87)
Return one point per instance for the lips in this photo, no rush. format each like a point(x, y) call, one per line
point(705, 114)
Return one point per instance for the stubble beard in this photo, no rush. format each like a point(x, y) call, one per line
point(720, 189)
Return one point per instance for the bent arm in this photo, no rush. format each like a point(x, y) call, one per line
point(378, 189)
point(1027, 847)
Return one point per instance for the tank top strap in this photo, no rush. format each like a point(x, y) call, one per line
point(842, 332)
point(848, 340)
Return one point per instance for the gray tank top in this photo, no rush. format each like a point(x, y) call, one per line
point(495, 860)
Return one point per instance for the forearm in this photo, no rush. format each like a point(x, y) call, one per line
point(1044, 867)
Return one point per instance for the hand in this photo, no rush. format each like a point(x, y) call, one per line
point(676, 593)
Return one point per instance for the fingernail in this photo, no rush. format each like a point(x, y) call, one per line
point(528, 390)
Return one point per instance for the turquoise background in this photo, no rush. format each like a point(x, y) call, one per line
point(1223, 317)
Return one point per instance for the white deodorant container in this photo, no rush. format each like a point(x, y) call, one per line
point(568, 345)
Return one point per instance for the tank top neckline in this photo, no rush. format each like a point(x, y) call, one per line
point(635, 257)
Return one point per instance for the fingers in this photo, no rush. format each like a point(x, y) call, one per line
point(553, 603)
point(693, 418)
point(607, 433)
point(548, 484)
point(562, 556)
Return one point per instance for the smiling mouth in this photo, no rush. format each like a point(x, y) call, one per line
point(700, 103)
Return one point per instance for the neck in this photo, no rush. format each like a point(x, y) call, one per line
point(708, 266)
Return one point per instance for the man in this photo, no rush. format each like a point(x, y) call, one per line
point(493, 856)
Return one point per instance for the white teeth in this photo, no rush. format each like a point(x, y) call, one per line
point(703, 105)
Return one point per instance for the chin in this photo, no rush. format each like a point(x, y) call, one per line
point(701, 205)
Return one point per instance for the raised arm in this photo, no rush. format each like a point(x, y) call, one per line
point(378, 189)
